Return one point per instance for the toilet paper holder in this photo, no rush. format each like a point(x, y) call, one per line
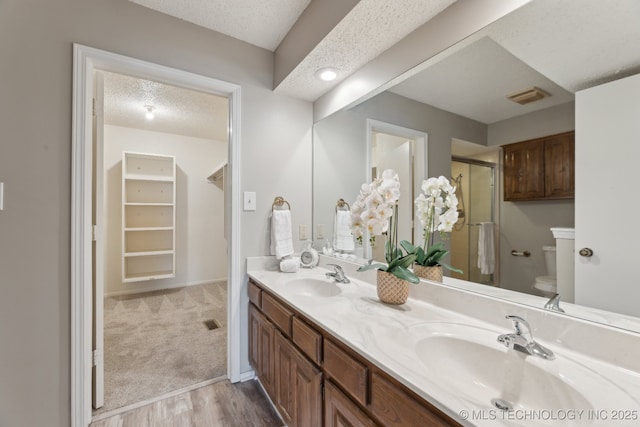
point(523, 253)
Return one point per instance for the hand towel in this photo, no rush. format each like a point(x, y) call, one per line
point(290, 264)
point(486, 251)
point(281, 235)
point(342, 237)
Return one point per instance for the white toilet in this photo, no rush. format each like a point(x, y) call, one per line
point(548, 284)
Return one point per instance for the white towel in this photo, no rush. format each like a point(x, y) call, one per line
point(342, 237)
point(290, 264)
point(281, 235)
point(486, 251)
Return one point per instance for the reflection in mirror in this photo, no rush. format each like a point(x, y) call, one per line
point(459, 99)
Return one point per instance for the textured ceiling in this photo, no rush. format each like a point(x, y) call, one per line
point(177, 110)
point(262, 23)
point(369, 29)
point(561, 47)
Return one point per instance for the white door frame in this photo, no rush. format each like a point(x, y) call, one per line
point(85, 61)
point(421, 154)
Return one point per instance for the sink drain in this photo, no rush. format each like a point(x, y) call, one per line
point(502, 404)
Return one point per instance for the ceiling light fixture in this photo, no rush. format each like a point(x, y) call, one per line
point(327, 74)
point(528, 95)
point(149, 115)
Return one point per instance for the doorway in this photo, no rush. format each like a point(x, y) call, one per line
point(475, 190)
point(163, 152)
point(405, 151)
point(86, 61)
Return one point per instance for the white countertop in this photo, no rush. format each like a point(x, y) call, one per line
point(389, 337)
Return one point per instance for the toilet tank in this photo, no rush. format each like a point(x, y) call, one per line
point(550, 259)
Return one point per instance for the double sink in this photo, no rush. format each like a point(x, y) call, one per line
point(461, 356)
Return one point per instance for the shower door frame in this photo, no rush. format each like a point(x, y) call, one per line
point(495, 207)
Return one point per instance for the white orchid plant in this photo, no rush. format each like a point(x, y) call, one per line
point(437, 210)
point(375, 213)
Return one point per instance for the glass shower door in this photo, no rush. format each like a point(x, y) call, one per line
point(475, 191)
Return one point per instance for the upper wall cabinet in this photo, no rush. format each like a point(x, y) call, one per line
point(540, 169)
point(148, 216)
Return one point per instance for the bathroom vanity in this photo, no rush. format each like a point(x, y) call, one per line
point(331, 354)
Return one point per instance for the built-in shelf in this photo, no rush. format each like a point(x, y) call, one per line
point(148, 216)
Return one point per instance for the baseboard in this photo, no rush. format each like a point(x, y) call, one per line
point(140, 290)
point(247, 376)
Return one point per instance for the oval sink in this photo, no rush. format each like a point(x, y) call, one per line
point(313, 287)
point(488, 374)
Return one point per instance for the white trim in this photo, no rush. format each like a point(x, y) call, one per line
point(247, 376)
point(416, 135)
point(85, 61)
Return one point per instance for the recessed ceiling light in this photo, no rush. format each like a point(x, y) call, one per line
point(327, 74)
point(149, 115)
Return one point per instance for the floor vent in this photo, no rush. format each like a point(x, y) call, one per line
point(211, 324)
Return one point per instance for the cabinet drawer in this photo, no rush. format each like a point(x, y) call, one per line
point(255, 294)
point(309, 341)
point(394, 407)
point(346, 371)
point(278, 314)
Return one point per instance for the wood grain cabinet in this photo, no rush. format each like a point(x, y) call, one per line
point(298, 394)
point(314, 380)
point(539, 169)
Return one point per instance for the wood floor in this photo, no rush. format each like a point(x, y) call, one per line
point(220, 404)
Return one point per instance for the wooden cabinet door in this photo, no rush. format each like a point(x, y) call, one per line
point(261, 342)
point(340, 411)
point(298, 385)
point(559, 166)
point(524, 170)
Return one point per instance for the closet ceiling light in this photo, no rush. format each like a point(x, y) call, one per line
point(327, 74)
point(149, 115)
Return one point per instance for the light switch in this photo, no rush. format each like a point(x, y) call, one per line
point(249, 200)
point(303, 231)
point(320, 231)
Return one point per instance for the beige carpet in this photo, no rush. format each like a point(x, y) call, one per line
point(157, 342)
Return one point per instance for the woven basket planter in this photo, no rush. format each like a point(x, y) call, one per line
point(391, 289)
point(433, 273)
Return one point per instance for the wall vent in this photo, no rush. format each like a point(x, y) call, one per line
point(528, 95)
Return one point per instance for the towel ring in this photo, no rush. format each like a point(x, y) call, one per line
point(279, 202)
point(342, 205)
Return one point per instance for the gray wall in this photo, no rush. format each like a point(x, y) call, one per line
point(340, 145)
point(35, 161)
point(526, 225)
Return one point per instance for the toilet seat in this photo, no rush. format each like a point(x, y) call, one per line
point(546, 283)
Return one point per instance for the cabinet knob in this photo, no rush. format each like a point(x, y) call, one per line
point(586, 252)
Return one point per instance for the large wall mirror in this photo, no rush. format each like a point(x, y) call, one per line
point(457, 101)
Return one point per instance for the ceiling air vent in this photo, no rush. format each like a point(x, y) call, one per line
point(528, 95)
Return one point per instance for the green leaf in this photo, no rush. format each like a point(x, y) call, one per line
point(405, 274)
point(447, 266)
point(372, 266)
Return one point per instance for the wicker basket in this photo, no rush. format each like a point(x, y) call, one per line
point(433, 273)
point(391, 289)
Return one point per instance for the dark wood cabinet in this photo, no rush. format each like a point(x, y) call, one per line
point(293, 372)
point(340, 411)
point(298, 395)
point(540, 169)
point(261, 348)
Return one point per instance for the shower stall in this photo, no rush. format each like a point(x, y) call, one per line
point(474, 181)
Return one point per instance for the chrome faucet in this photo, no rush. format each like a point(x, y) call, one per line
point(338, 274)
point(554, 304)
point(522, 340)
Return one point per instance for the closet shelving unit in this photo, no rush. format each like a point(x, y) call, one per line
point(148, 216)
